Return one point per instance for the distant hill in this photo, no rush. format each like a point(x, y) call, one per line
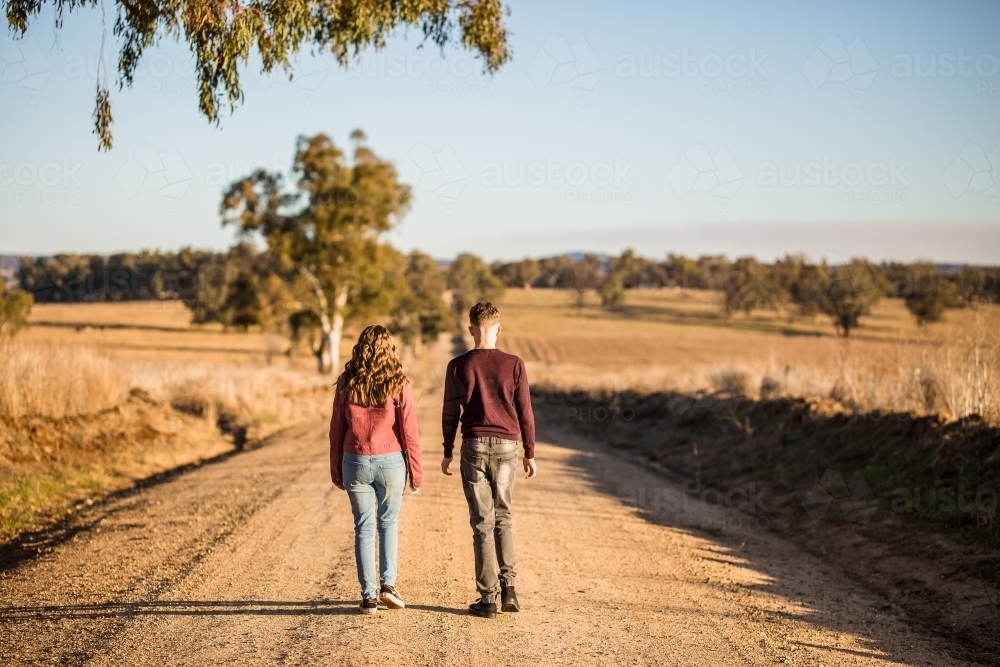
point(10, 267)
point(580, 256)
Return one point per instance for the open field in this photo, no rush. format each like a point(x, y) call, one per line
point(679, 340)
point(157, 331)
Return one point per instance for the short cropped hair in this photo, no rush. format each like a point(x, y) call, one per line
point(484, 314)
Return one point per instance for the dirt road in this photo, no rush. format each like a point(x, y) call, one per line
point(250, 561)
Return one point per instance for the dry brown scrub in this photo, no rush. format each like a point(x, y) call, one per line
point(102, 395)
point(678, 340)
point(58, 381)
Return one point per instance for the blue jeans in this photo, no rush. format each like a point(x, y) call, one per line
point(375, 486)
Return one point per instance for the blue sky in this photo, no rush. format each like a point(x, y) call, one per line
point(696, 127)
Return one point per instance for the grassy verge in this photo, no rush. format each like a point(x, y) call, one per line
point(52, 466)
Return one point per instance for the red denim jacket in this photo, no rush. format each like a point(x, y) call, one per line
point(382, 429)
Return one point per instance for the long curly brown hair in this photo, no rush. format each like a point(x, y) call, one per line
point(374, 372)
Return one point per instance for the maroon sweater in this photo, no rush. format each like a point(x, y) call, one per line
point(487, 392)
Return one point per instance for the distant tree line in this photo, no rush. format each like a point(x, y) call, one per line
point(245, 287)
point(71, 278)
point(844, 292)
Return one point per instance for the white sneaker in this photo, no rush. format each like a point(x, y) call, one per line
point(391, 597)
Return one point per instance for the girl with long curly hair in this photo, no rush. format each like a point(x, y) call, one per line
point(374, 446)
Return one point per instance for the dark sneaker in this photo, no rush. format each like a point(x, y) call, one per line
point(369, 606)
point(485, 607)
point(391, 598)
point(508, 599)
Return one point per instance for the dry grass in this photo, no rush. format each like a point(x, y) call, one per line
point(955, 377)
point(58, 381)
point(55, 381)
point(105, 394)
point(678, 340)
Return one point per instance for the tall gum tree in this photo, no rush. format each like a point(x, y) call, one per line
point(326, 235)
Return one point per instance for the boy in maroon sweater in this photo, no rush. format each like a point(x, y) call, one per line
point(486, 392)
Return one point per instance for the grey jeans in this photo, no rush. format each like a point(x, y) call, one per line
point(488, 468)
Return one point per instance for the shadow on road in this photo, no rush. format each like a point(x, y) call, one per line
point(821, 607)
point(194, 608)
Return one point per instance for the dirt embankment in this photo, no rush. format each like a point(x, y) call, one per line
point(906, 505)
point(51, 467)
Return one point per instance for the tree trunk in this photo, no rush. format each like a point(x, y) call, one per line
point(328, 354)
point(336, 331)
point(324, 357)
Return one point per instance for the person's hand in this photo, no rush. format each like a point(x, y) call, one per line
point(530, 467)
point(446, 465)
point(414, 490)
